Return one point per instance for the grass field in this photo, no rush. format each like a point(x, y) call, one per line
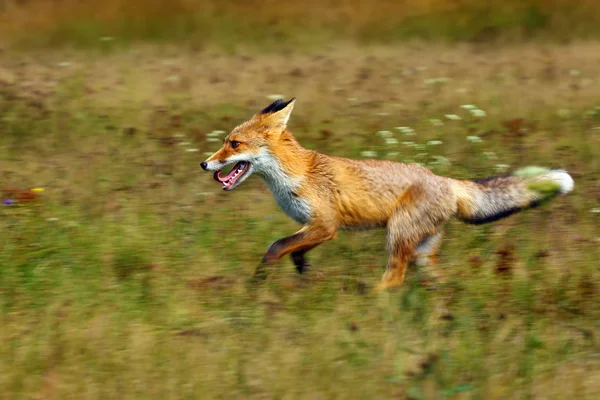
point(126, 276)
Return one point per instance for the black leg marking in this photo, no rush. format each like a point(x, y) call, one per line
point(300, 262)
point(260, 274)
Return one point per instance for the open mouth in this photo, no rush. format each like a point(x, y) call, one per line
point(236, 173)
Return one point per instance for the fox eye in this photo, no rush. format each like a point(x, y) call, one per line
point(235, 144)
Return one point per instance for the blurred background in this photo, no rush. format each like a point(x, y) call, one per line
point(284, 23)
point(124, 267)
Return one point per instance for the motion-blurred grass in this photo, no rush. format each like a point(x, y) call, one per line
point(126, 277)
point(272, 24)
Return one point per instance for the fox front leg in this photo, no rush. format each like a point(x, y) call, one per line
point(297, 244)
point(300, 261)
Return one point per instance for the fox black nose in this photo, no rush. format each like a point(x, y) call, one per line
point(204, 164)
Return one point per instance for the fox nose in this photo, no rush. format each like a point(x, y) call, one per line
point(204, 164)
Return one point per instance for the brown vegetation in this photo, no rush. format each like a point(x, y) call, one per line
point(354, 19)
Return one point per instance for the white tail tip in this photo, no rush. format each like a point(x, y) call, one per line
point(563, 179)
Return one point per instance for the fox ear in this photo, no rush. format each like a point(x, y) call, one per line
point(279, 111)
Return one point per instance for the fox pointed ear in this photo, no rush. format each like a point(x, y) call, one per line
point(279, 111)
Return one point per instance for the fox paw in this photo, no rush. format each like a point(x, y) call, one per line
point(381, 287)
point(385, 285)
point(269, 258)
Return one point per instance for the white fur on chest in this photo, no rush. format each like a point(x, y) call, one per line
point(295, 207)
point(282, 186)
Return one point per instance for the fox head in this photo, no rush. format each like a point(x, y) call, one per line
point(250, 145)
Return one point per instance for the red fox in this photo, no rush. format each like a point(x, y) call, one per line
point(327, 193)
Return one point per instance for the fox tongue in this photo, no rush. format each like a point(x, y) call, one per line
point(217, 175)
point(218, 178)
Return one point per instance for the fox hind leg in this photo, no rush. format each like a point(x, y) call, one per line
point(426, 256)
point(412, 232)
point(395, 269)
point(426, 251)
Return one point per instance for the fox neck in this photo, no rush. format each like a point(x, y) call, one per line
point(283, 168)
point(285, 162)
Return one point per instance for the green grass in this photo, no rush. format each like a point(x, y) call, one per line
point(127, 277)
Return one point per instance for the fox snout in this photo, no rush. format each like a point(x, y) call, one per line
point(210, 165)
point(213, 165)
point(213, 162)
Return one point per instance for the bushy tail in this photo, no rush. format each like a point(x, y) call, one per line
point(490, 199)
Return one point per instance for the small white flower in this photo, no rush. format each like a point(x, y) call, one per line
point(436, 122)
point(490, 155)
point(434, 81)
point(179, 135)
point(352, 99)
point(65, 64)
point(275, 96)
point(392, 154)
point(52, 219)
point(468, 106)
point(434, 142)
point(368, 153)
point(213, 139)
point(106, 38)
point(183, 144)
point(594, 111)
point(407, 131)
point(215, 133)
point(441, 160)
point(385, 134)
point(501, 167)
point(453, 117)
point(474, 139)
point(191, 150)
point(478, 113)
point(391, 141)
point(595, 210)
